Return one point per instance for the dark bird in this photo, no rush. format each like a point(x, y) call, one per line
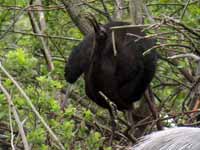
point(180, 138)
point(122, 78)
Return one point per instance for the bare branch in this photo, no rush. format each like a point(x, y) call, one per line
point(106, 10)
point(184, 10)
point(46, 50)
point(11, 129)
point(189, 55)
point(166, 45)
point(114, 45)
point(16, 116)
point(43, 35)
point(42, 20)
point(13, 23)
point(130, 26)
point(76, 17)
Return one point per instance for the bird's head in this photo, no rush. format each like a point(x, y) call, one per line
point(100, 32)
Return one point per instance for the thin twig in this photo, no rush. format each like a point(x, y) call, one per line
point(16, 116)
point(177, 22)
point(165, 45)
point(43, 35)
point(11, 129)
point(106, 10)
point(97, 10)
point(33, 8)
point(130, 26)
point(190, 55)
point(13, 23)
point(184, 10)
point(43, 41)
point(114, 44)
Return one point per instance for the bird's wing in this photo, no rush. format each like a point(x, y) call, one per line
point(79, 60)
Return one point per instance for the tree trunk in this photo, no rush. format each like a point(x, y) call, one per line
point(74, 12)
point(136, 11)
point(119, 10)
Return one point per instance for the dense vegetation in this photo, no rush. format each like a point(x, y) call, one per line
point(35, 42)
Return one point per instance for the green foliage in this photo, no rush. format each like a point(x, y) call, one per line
point(48, 82)
point(21, 53)
point(88, 115)
point(20, 60)
point(70, 111)
point(37, 136)
point(68, 128)
point(108, 148)
point(94, 140)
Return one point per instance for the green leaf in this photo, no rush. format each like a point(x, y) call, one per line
point(71, 110)
point(88, 115)
point(37, 136)
point(68, 127)
point(54, 106)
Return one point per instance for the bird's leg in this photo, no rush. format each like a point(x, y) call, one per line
point(129, 115)
point(129, 132)
point(130, 120)
point(150, 100)
point(113, 124)
point(113, 116)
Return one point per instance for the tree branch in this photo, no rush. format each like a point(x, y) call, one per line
point(16, 116)
point(78, 20)
point(46, 50)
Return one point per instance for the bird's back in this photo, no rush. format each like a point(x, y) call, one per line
point(122, 78)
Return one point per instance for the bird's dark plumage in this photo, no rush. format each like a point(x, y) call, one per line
point(122, 78)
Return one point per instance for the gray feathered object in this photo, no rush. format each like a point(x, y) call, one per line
point(179, 138)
